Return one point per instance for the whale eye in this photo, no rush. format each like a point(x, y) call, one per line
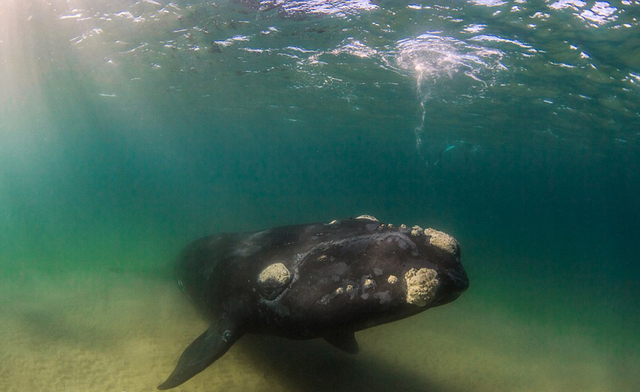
point(273, 280)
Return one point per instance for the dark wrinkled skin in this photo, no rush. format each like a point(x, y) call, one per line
point(220, 273)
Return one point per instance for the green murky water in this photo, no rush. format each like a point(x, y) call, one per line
point(128, 129)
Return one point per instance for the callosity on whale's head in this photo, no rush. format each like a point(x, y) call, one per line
point(358, 273)
point(316, 280)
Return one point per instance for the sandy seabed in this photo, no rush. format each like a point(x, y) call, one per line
point(124, 333)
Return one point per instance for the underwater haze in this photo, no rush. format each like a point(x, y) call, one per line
point(130, 128)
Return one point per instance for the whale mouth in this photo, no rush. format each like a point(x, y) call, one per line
point(460, 281)
point(454, 282)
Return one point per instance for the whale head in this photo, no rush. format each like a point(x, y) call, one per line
point(357, 273)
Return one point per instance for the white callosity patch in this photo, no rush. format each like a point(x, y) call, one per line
point(368, 283)
point(274, 275)
point(392, 279)
point(443, 241)
point(421, 285)
point(369, 217)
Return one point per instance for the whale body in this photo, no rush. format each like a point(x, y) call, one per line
point(325, 280)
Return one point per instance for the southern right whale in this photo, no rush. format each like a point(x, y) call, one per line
point(316, 280)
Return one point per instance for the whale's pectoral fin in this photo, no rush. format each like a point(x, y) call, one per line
point(345, 341)
point(202, 352)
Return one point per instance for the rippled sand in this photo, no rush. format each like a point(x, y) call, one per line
point(114, 332)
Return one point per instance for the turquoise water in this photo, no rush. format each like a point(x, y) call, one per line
point(128, 129)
